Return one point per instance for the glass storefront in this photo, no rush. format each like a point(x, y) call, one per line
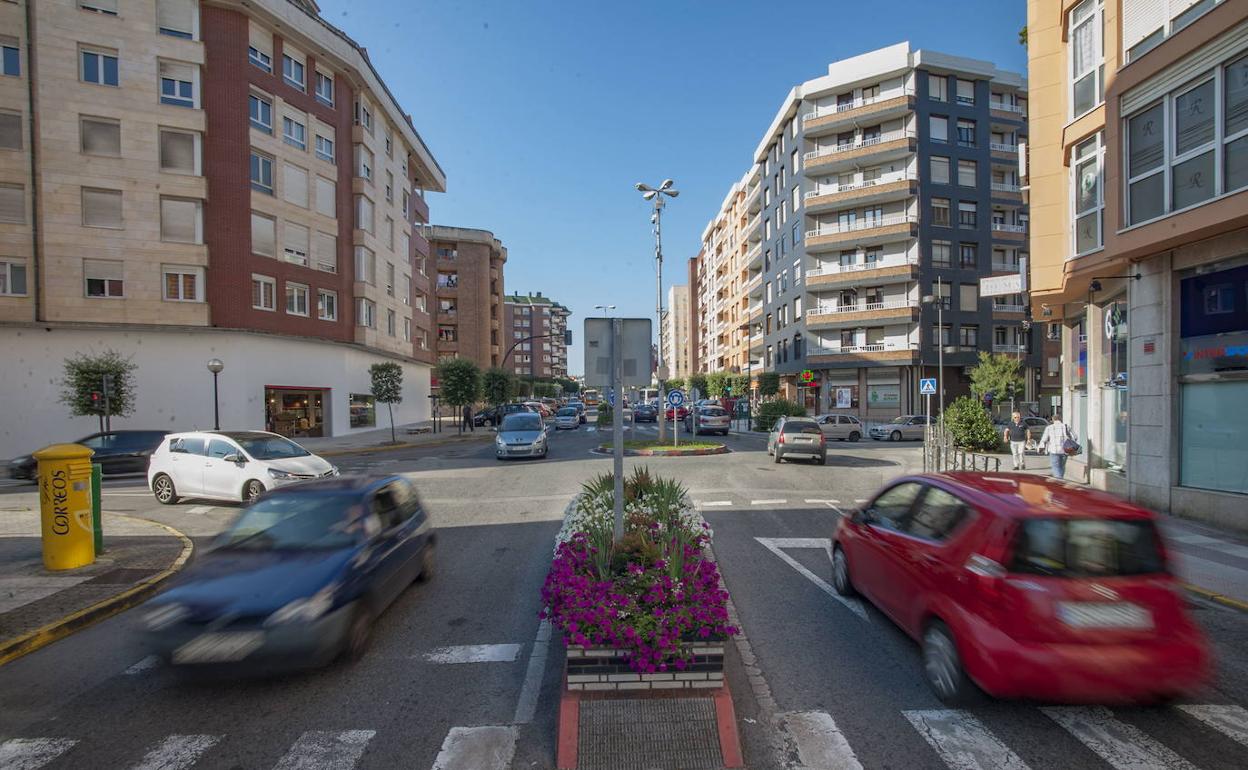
point(363, 411)
point(1213, 453)
point(295, 412)
point(1112, 371)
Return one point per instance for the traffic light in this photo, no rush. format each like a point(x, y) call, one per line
point(727, 390)
point(95, 398)
point(107, 384)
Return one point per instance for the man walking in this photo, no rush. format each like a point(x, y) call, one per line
point(1054, 442)
point(1017, 434)
point(468, 419)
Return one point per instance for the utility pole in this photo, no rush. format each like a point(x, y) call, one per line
point(656, 196)
point(617, 422)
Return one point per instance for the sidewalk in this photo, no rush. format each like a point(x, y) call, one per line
point(38, 607)
point(416, 434)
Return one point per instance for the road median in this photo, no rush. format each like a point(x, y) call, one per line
point(644, 448)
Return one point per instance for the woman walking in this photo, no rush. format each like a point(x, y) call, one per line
point(1058, 441)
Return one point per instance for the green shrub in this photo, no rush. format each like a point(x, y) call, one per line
point(971, 426)
point(606, 415)
point(770, 411)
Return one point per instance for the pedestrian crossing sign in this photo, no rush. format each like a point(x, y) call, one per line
point(927, 386)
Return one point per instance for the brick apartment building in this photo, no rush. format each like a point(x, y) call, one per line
point(469, 286)
point(534, 315)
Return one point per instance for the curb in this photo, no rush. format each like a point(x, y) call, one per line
point(375, 448)
point(720, 450)
point(101, 610)
point(1214, 596)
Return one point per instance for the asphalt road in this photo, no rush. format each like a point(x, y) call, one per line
point(452, 661)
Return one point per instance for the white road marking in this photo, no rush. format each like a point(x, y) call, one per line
point(819, 741)
point(107, 493)
point(715, 503)
point(962, 741)
point(1231, 721)
point(32, 753)
point(823, 502)
point(474, 653)
point(148, 663)
point(860, 500)
point(322, 750)
point(777, 545)
point(526, 704)
point(200, 509)
point(1121, 745)
point(477, 748)
point(177, 752)
point(768, 502)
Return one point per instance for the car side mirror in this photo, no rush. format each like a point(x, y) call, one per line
point(234, 457)
point(493, 429)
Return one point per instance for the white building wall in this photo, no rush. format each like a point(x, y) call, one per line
point(174, 386)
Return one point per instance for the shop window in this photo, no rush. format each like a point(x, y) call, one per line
point(363, 411)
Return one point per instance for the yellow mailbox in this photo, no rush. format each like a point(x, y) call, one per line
point(65, 505)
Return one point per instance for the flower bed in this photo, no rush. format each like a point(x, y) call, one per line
point(646, 611)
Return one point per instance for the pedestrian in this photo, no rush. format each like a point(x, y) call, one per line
point(468, 419)
point(1017, 434)
point(1059, 442)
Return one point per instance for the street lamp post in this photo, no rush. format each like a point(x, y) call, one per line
point(937, 300)
point(749, 382)
point(656, 195)
point(215, 365)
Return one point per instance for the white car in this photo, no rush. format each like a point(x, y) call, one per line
point(229, 465)
point(567, 417)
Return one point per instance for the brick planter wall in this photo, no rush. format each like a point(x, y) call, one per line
point(605, 669)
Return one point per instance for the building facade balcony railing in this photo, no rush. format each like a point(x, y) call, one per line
point(828, 118)
point(1001, 227)
point(861, 307)
point(1006, 107)
point(1004, 308)
point(859, 267)
point(1012, 349)
point(833, 109)
point(858, 144)
point(1002, 187)
point(1002, 147)
point(1004, 267)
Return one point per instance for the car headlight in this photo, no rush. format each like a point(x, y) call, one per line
point(304, 610)
point(164, 615)
point(274, 473)
point(499, 441)
point(333, 470)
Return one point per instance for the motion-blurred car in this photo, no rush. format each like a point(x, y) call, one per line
point(540, 408)
point(842, 427)
point(797, 436)
point(298, 578)
point(567, 417)
point(908, 427)
point(645, 413)
point(119, 451)
point(229, 465)
point(521, 435)
point(678, 412)
point(495, 414)
point(1024, 586)
point(708, 419)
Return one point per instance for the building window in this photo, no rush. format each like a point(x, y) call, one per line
point(98, 67)
point(968, 336)
point(296, 299)
point(940, 334)
point(940, 170)
point(326, 250)
point(365, 265)
point(326, 197)
point(968, 255)
point(940, 212)
point(1235, 124)
point(966, 173)
point(966, 91)
point(295, 243)
point(324, 148)
point(1087, 56)
point(181, 220)
point(100, 136)
point(103, 278)
point(177, 84)
point(182, 283)
point(390, 279)
point(326, 305)
point(325, 89)
point(295, 184)
point(407, 330)
point(363, 214)
point(11, 130)
point(364, 162)
point(13, 203)
point(938, 88)
point(391, 323)
point(176, 18)
point(260, 111)
point(263, 292)
point(260, 59)
point(366, 313)
point(263, 235)
point(968, 296)
point(11, 60)
point(938, 128)
point(966, 133)
point(389, 187)
point(294, 133)
point(364, 116)
point(968, 214)
point(292, 72)
point(1087, 180)
point(12, 278)
point(262, 173)
point(179, 152)
point(101, 208)
point(940, 254)
point(105, 7)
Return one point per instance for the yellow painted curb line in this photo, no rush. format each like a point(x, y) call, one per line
point(1214, 596)
point(101, 610)
point(392, 447)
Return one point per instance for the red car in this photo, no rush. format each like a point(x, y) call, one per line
point(681, 413)
point(1025, 587)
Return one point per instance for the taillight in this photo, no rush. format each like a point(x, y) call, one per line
point(781, 439)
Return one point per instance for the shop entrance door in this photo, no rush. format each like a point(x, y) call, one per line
point(295, 412)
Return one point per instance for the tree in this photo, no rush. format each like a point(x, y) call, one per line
point(676, 383)
point(84, 377)
point(737, 383)
point(545, 389)
point(459, 381)
point(569, 386)
point(971, 427)
point(1022, 36)
point(996, 373)
point(387, 388)
point(697, 381)
point(768, 384)
point(497, 385)
point(715, 382)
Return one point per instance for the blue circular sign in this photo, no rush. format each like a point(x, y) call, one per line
point(675, 398)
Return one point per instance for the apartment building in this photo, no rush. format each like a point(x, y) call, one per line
point(537, 329)
point(468, 282)
point(891, 178)
point(183, 181)
point(674, 332)
point(1139, 177)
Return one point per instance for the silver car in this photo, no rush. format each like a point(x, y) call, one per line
point(797, 436)
point(908, 427)
point(567, 417)
point(523, 434)
point(842, 427)
point(708, 419)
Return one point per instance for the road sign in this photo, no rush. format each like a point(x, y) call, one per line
point(610, 396)
point(927, 386)
point(1000, 285)
point(675, 398)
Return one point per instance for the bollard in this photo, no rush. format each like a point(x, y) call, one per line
point(97, 527)
point(65, 506)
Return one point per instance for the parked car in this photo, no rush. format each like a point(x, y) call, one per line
point(645, 413)
point(580, 409)
point(495, 414)
point(567, 417)
point(229, 465)
point(521, 435)
point(540, 408)
point(797, 436)
point(1024, 587)
point(842, 427)
point(119, 451)
point(908, 427)
point(680, 412)
point(298, 579)
point(708, 419)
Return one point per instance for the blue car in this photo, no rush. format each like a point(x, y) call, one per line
point(298, 579)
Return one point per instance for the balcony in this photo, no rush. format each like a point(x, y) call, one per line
point(754, 201)
point(1009, 232)
point(754, 257)
point(1004, 111)
point(447, 346)
point(858, 355)
point(754, 229)
point(420, 207)
point(1004, 267)
point(448, 289)
point(891, 146)
point(1003, 151)
point(841, 316)
point(835, 276)
point(837, 117)
point(420, 242)
point(1010, 192)
point(1003, 309)
point(1010, 349)
point(864, 232)
point(754, 285)
point(445, 318)
point(836, 197)
point(755, 308)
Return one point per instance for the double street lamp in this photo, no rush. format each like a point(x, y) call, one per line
point(656, 195)
point(215, 365)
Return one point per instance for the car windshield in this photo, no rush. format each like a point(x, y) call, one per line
point(801, 427)
point(714, 411)
point(525, 421)
point(296, 522)
point(899, 421)
point(567, 411)
point(270, 447)
point(1087, 548)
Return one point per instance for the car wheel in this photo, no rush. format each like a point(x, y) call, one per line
point(162, 487)
point(821, 460)
point(855, 436)
point(943, 666)
point(777, 457)
point(251, 490)
point(426, 565)
point(840, 573)
point(896, 436)
point(359, 633)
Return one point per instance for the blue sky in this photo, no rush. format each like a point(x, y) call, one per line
point(544, 114)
